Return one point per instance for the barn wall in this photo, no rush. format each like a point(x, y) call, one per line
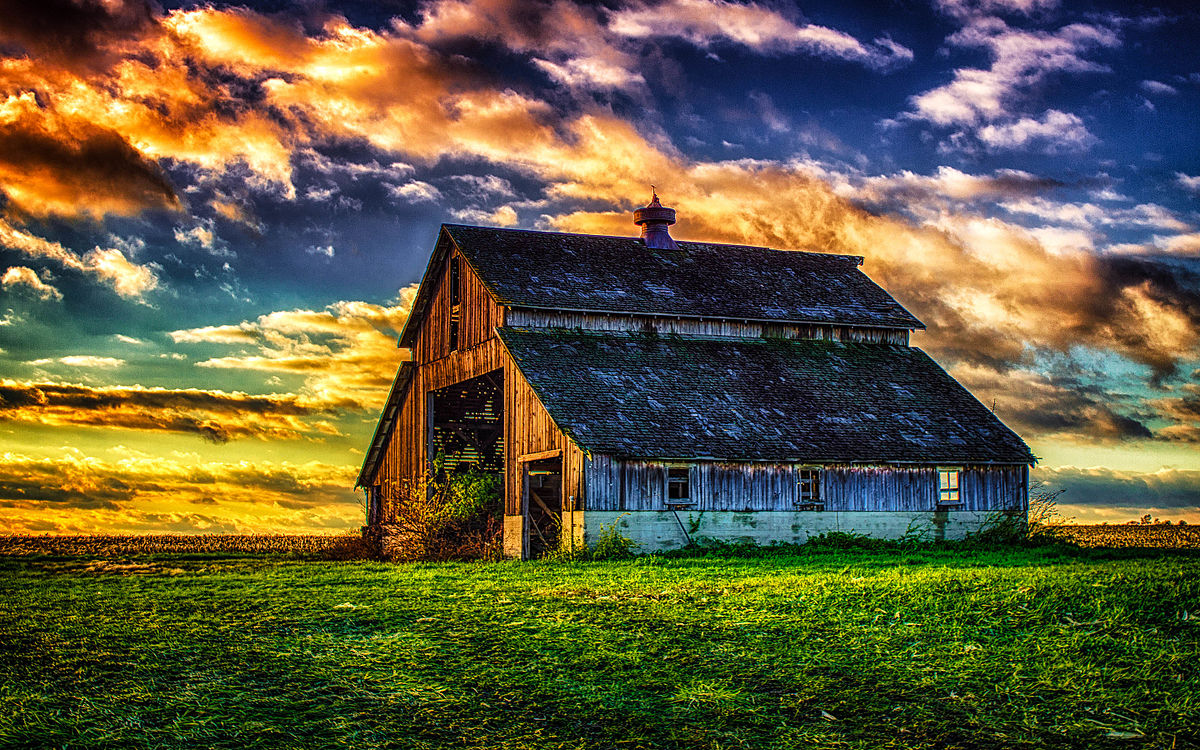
point(404, 461)
point(528, 431)
point(479, 314)
point(693, 327)
point(658, 530)
point(617, 485)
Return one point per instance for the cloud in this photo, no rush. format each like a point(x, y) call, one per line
point(20, 276)
point(78, 32)
point(108, 265)
point(707, 23)
point(1039, 406)
point(1055, 133)
point(1157, 87)
point(990, 291)
point(985, 103)
point(1188, 182)
point(54, 164)
point(415, 192)
point(1166, 489)
point(1148, 215)
point(81, 360)
point(505, 216)
point(906, 189)
point(347, 352)
point(142, 494)
point(976, 8)
point(217, 416)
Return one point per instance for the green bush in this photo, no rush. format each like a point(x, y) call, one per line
point(611, 544)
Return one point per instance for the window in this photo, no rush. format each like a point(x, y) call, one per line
point(948, 487)
point(808, 490)
point(678, 485)
point(454, 304)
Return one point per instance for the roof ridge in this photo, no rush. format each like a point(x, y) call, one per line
point(630, 238)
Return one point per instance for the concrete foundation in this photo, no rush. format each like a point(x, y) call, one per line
point(514, 537)
point(658, 530)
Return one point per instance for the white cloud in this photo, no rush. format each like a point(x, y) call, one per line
point(705, 23)
point(1157, 87)
point(325, 250)
point(591, 73)
point(1056, 132)
point(1149, 215)
point(504, 216)
point(983, 104)
point(81, 360)
point(968, 8)
point(1187, 182)
point(204, 236)
point(415, 192)
point(20, 276)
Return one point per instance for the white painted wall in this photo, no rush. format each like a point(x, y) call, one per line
point(655, 530)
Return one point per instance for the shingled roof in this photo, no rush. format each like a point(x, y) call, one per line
point(766, 399)
point(592, 273)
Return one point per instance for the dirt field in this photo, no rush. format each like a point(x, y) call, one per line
point(339, 547)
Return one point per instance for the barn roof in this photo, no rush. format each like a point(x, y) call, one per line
point(593, 273)
point(387, 423)
point(649, 396)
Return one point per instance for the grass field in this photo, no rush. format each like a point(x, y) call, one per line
point(940, 648)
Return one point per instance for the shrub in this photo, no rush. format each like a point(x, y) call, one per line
point(611, 544)
point(457, 517)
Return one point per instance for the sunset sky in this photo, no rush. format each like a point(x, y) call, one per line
point(213, 218)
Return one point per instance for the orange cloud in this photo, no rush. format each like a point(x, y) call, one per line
point(109, 265)
point(213, 415)
point(73, 493)
point(346, 352)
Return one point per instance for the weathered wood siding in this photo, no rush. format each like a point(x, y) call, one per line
point(995, 487)
point(615, 485)
point(528, 429)
point(404, 461)
point(700, 327)
point(479, 314)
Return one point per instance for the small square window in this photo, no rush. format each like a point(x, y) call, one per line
point(678, 484)
point(948, 493)
point(808, 490)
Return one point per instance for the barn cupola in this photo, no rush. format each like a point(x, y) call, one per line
point(654, 219)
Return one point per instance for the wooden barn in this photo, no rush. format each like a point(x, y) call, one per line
point(682, 390)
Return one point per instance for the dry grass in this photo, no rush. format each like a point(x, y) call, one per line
point(1148, 535)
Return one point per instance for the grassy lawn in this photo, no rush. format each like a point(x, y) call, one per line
point(1033, 648)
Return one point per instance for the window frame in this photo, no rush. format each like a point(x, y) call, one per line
point(949, 487)
point(682, 475)
point(809, 498)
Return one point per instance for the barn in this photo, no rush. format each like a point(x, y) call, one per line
point(682, 390)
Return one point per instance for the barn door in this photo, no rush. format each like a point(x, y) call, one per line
point(543, 507)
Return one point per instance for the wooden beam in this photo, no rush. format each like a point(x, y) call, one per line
point(539, 456)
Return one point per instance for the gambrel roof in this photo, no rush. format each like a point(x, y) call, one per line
point(592, 273)
point(652, 396)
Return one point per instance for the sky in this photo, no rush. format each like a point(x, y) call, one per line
point(213, 217)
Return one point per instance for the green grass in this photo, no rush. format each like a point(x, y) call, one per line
point(938, 649)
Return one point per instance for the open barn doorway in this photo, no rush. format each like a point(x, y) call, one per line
point(466, 426)
point(543, 506)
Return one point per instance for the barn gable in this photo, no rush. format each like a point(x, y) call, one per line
point(589, 273)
